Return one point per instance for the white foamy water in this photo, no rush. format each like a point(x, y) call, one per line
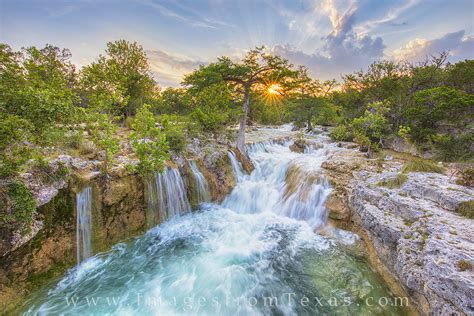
point(228, 259)
point(83, 224)
point(202, 187)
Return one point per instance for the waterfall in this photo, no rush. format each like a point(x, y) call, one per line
point(307, 201)
point(84, 224)
point(167, 195)
point(202, 187)
point(236, 166)
point(259, 244)
point(283, 182)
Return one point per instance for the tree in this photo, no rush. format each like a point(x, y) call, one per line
point(38, 85)
point(212, 107)
point(174, 101)
point(258, 68)
point(310, 101)
point(439, 108)
point(119, 82)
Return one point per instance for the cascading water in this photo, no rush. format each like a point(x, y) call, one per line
point(202, 187)
point(167, 195)
point(236, 166)
point(83, 224)
point(255, 254)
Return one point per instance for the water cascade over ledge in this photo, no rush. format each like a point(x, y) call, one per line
point(83, 224)
point(258, 246)
point(202, 187)
point(167, 195)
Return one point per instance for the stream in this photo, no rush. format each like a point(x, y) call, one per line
point(257, 253)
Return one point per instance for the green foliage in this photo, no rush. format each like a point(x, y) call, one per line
point(341, 133)
point(454, 148)
point(175, 133)
point(420, 165)
point(212, 107)
point(37, 86)
point(436, 108)
point(149, 143)
point(17, 204)
point(370, 129)
point(119, 82)
point(104, 136)
point(466, 209)
point(173, 101)
point(395, 182)
point(15, 132)
point(404, 132)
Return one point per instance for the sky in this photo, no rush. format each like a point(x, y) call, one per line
point(330, 37)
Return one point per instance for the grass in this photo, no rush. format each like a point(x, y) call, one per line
point(466, 209)
point(396, 182)
point(464, 265)
point(420, 165)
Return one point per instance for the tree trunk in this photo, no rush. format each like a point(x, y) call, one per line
point(309, 127)
point(243, 121)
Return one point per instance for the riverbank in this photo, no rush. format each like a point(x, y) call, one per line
point(300, 180)
point(257, 245)
point(411, 221)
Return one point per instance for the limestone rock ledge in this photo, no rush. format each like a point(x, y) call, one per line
point(413, 228)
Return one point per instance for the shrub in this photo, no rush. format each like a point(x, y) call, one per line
point(370, 129)
point(466, 177)
point(396, 182)
point(420, 165)
point(466, 209)
point(104, 136)
point(18, 204)
point(341, 133)
point(174, 132)
point(149, 143)
point(453, 148)
point(464, 265)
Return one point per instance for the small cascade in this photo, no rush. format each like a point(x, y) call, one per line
point(167, 195)
point(202, 187)
point(306, 201)
point(84, 224)
point(236, 166)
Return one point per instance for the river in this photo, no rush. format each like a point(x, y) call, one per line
point(256, 253)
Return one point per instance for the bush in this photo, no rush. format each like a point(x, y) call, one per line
point(341, 133)
point(148, 142)
point(464, 265)
point(453, 148)
point(15, 135)
point(174, 132)
point(466, 177)
point(370, 129)
point(17, 204)
point(396, 182)
point(420, 165)
point(466, 209)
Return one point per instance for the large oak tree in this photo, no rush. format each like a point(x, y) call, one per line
point(258, 69)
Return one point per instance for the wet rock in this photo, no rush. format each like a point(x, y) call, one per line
point(298, 146)
point(244, 159)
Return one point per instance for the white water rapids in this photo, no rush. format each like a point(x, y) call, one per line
point(255, 254)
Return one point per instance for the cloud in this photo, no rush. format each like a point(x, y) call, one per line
point(168, 69)
point(191, 17)
point(343, 50)
point(457, 44)
point(391, 15)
